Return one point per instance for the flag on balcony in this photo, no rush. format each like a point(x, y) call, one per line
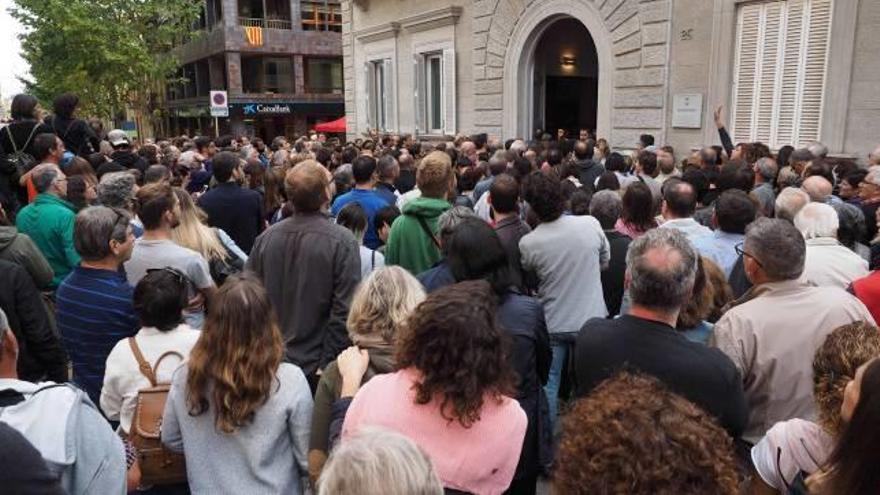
point(254, 35)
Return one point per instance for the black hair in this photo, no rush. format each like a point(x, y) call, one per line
point(23, 107)
point(65, 104)
point(467, 181)
point(735, 176)
point(648, 162)
point(225, 141)
point(554, 156)
point(638, 206)
point(544, 194)
point(646, 140)
point(349, 153)
point(734, 211)
point(853, 463)
point(855, 177)
point(463, 161)
point(522, 167)
point(783, 155)
point(202, 142)
point(681, 199)
point(480, 139)
point(323, 156)
point(509, 143)
point(353, 217)
point(44, 144)
point(608, 181)
point(580, 202)
point(159, 299)
point(385, 216)
point(363, 168)
point(225, 164)
point(615, 162)
point(474, 252)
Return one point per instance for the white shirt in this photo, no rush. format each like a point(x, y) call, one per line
point(370, 260)
point(830, 264)
point(123, 378)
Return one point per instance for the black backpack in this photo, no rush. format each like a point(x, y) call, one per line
point(22, 160)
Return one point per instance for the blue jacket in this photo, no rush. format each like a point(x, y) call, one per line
point(235, 210)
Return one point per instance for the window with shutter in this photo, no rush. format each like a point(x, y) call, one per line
point(779, 74)
point(448, 83)
point(378, 77)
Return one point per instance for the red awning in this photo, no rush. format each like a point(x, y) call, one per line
point(337, 126)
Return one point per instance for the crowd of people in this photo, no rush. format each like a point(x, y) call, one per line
point(401, 316)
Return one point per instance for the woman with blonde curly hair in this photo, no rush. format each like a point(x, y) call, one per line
point(238, 413)
point(632, 435)
point(379, 310)
point(802, 446)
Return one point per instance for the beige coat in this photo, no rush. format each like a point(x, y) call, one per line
point(772, 337)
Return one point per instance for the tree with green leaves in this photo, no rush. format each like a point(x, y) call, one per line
point(114, 54)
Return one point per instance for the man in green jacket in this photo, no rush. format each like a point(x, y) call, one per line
point(413, 242)
point(49, 220)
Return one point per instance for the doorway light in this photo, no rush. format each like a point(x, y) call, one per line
point(569, 61)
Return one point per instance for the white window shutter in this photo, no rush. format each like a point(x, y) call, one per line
point(389, 95)
point(448, 92)
point(814, 69)
point(779, 76)
point(420, 113)
point(370, 85)
point(746, 67)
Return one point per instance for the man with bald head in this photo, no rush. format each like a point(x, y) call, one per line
point(587, 169)
point(310, 267)
point(679, 205)
point(818, 188)
point(660, 274)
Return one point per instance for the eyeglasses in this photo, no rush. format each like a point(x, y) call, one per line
point(179, 276)
point(742, 252)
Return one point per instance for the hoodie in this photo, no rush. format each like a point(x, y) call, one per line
point(18, 248)
point(588, 171)
point(76, 442)
point(130, 160)
point(409, 245)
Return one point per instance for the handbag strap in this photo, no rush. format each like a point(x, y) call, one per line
point(427, 230)
point(144, 366)
point(26, 143)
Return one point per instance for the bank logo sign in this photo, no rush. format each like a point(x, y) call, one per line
point(266, 108)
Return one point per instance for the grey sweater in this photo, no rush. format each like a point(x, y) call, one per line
point(267, 456)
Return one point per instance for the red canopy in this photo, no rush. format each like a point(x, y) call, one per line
point(337, 126)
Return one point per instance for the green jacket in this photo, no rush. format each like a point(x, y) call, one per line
point(408, 244)
point(48, 221)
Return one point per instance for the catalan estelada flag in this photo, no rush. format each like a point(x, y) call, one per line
point(254, 35)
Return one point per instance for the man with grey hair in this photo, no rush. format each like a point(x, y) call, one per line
point(606, 207)
point(765, 170)
point(48, 221)
point(76, 442)
point(94, 304)
point(660, 275)
point(119, 190)
point(771, 332)
point(818, 150)
point(869, 194)
point(789, 203)
point(828, 263)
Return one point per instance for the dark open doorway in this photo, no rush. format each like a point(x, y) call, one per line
point(566, 78)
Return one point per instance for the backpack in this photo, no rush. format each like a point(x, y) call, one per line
point(159, 466)
point(22, 160)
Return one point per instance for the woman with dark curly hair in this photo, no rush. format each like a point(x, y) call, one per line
point(235, 396)
point(798, 445)
point(451, 395)
point(632, 435)
point(638, 211)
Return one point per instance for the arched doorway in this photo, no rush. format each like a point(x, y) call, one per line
point(519, 95)
point(565, 78)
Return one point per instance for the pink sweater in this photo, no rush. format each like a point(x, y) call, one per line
point(480, 459)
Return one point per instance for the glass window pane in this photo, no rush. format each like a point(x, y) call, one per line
point(434, 94)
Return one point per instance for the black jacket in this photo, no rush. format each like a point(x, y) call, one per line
point(24, 470)
point(703, 375)
point(18, 133)
point(78, 137)
point(130, 160)
point(588, 171)
point(612, 277)
point(40, 355)
point(236, 210)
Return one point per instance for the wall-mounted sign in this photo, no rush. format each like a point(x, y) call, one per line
point(687, 111)
point(266, 108)
point(261, 109)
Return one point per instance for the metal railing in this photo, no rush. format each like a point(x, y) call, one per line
point(265, 23)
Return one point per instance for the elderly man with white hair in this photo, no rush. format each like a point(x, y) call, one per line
point(828, 263)
point(869, 194)
point(789, 203)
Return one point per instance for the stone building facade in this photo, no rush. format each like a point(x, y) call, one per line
point(786, 71)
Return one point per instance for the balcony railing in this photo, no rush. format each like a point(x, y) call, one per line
point(265, 23)
point(321, 16)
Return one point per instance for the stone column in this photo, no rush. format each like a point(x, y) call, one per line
point(299, 70)
point(230, 13)
point(233, 74)
point(295, 15)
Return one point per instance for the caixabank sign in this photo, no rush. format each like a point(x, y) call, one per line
point(262, 109)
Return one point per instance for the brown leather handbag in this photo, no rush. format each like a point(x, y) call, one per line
point(159, 466)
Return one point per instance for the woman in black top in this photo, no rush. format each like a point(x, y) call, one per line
point(18, 136)
point(78, 136)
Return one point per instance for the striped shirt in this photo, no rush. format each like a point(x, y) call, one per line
point(94, 311)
